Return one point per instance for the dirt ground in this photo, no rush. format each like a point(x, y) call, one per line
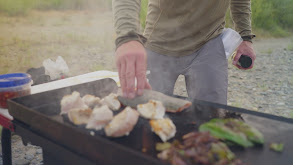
point(85, 39)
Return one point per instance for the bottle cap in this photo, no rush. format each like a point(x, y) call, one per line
point(245, 61)
point(14, 79)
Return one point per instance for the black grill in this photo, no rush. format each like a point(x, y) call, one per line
point(37, 119)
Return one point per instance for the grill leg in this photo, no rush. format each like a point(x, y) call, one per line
point(6, 146)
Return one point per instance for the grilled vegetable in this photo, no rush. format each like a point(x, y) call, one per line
point(225, 133)
point(199, 148)
point(277, 147)
point(163, 146)
point(233, 130)
point(251, 133)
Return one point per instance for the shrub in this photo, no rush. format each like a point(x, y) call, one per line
point(15, 7)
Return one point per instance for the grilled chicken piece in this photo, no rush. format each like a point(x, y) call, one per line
point(112, 102)
point(123, 123)
point(72, 101)
point(151, 110)
point(99, 118)
point(92, 101)
point(78, 116)
point(171, 104)
point(164, 128)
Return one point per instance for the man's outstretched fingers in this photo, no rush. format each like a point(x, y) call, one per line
point(140, 74)
point(122, 77)
point(130, 77)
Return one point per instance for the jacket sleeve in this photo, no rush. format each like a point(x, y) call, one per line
point(241, 15)
point(126, 21)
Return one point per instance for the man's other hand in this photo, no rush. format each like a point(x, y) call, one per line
point(131, 61)
point(245, 48)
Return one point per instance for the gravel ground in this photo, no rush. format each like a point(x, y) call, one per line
point(267, 88)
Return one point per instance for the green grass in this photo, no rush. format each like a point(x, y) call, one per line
point(270, 18)
point(16, 7)
point(273, 16)
point(22, 7)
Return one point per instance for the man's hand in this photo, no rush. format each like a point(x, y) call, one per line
point(131, 61)
point(245, 48)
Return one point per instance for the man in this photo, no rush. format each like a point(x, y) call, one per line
point(180, 37)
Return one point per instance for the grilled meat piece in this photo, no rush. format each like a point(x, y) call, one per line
point(79, 116)
point(170, 103)
point(199, 148)
point(164, 128)
point(92, 101)
point(99, 118)
point(112, 102)
point(72, 101)
point(123, 123)
point(151, 110)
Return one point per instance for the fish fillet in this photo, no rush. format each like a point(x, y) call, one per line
point(151, 110)
point(123, 123)
point(164, 128)
point(170, 103)
point(72, 101)
point(99, 118)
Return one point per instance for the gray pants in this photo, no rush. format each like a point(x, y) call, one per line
point(205, 71)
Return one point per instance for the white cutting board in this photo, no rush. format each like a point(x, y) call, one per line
point(84, 78)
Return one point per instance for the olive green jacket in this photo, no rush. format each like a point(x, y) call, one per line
point(178, 27)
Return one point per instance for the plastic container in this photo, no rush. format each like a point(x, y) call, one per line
point(14, 85)
point(231, 40)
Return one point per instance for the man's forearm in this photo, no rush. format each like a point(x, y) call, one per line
point(241, 15)
point(126, 19)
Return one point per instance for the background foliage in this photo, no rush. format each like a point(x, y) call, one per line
point(269, 18)
point(21, 7)
point(272, 18)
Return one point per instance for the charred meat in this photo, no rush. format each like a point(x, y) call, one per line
point(151, 110)
point(123, 123)
point(164, 128)
point(199, 148)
